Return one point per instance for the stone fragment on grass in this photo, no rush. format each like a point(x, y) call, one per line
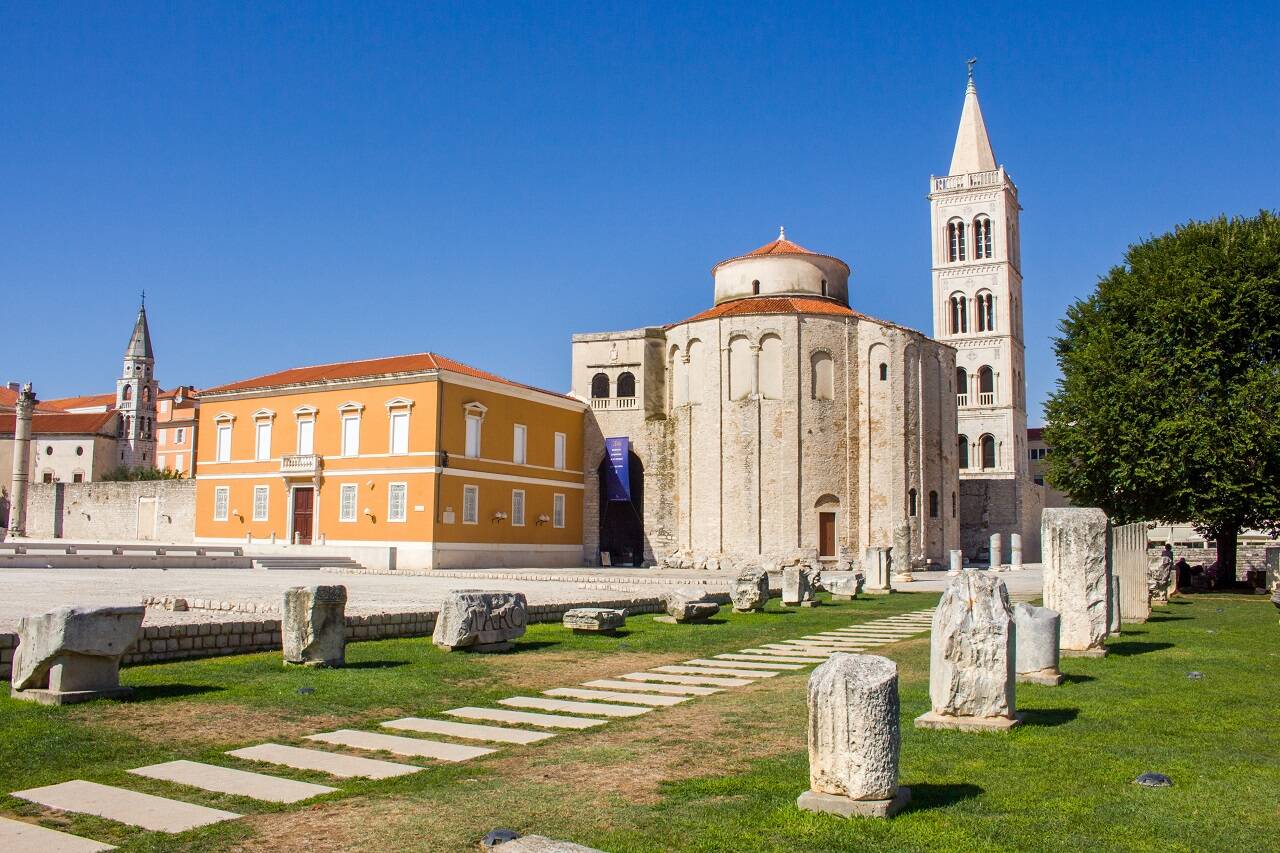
point(971, 656)
point(1037, 644)
point(685, 605)
point(875, 567)
point(797, 587)
point(843, 586)
point(480, 621)
point(854, 737)
point(751, 591)
point(72, 654)
point(313, 625)
point(1077, 576)
point(594, 620)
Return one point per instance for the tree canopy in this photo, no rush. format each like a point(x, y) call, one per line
point(1169, 403)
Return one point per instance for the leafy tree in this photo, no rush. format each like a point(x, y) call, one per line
point(140, 472)
point(1169, 403)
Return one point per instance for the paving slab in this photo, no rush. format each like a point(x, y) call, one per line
point(159, 814)
point(774, 665)
point(420, 747)
point(333, 763)
point(502, 715)
point(616, 696)
point(737, 657)
point(716, 670)
point(228, 780)
point(18, 836)
point(685, 679)
point(468, 730)
point(819, 644)
point(669, 689)
point(779, 649)
point(599, 708)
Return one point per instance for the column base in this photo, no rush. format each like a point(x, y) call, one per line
point(930, 720)
point(817, 801)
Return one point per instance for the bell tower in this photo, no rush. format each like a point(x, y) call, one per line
point(977, 308)
point(136, 392)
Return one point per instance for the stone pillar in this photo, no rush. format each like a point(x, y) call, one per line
point(1037, 644)
point(1077, 577)
point(313, 625)
point(957, 562)
point(971, 657)
point(876, 569)
point(1015, 551)
point(995, 550)
point(23, 410)
point(901, 556)
point(1113, 624)
point(854, 738)
point(797, 587)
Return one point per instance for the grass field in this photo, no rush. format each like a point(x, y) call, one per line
point(720, 772)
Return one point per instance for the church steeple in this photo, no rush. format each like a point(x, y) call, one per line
point(136, 393)
point(972, 152)
point(140, 340)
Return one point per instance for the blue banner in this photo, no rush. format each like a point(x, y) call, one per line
point(618, 475)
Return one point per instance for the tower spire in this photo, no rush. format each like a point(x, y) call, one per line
point(972, 152)
point(140, 341)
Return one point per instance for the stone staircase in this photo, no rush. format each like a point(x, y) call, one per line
point(306, 563)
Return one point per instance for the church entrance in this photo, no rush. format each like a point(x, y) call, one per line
point(622, 522)
point(303, 512)
point(826, 534)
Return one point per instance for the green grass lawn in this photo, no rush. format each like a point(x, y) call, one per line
point(719, 772)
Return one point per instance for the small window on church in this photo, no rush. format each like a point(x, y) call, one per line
point(953, 504)
point(933, 504)
point(48, 451)
point(911, 503)
point(626, 384)
point(79, 451)
point(600, 386)
point(127, 393)
point(755, 288)
point(824, 287)
point(884, 371)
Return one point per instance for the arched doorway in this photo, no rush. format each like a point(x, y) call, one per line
point(622, 522)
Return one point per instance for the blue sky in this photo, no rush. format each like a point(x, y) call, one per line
point(294, 184)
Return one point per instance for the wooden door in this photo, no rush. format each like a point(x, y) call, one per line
point(303, 503)
point(826, 534)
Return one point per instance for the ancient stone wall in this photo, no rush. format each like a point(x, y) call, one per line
point(152, 510)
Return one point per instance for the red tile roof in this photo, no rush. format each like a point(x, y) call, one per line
point(9, 399)
point(87, 401)
point(786, 305)
point(368, 368)
point(781, 246)
point(58, 423)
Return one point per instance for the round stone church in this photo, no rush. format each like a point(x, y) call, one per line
point(779, 424)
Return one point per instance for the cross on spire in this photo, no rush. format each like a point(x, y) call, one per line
point(971, 62)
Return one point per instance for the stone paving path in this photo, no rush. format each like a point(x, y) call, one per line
point(593, 703)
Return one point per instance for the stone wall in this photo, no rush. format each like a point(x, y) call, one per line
point(1248, 557)
point(211, 639)
point(152, 510)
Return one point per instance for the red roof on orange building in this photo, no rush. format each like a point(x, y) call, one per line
point(59, 423)
point(367, 368)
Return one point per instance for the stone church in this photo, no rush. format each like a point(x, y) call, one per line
point(781, 423)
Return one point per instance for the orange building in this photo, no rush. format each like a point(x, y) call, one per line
point(177, 419)
point(414, 461)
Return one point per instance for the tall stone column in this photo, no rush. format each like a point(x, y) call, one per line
point(994, 551)
point(1015, 550)
point(26, 405)
point(901, 557)
point(1077, 577)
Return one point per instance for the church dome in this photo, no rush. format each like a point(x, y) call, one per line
point(782, 268)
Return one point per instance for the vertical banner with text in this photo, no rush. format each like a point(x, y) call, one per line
point(618, 475)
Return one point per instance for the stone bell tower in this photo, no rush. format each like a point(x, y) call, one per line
point(977, 308)
point(136, 393)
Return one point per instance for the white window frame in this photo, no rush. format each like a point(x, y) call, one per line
point(265, 493)
point(221, 503)
point(351, 448)
point(473, 492)
point(180, 436)
point(520, 444)
point(261, 453)
point(517, 518)
point(160, 461)
point(403, 489)
point(394, 416)
point(348, 491)
point(561, 446)
point(557, 510)
point(222, 450)
point(309, 448)
point(473, 413)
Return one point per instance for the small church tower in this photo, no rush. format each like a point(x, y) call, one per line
point(136, 393)
point(977, 308)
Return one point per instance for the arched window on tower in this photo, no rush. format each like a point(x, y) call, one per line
point(982, 237)
point(959, 313)
point(933, 504)
point(626, 384)
point(988, 444)
point(986, 311)
point(127, 393)
point(962, 387)
point(963, 452)
point(986, 387)
point(146, 393)
point(955, 240)
point(600, 385)
point(911, 503)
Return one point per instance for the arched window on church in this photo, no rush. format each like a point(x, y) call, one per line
point(933, 504)
point(771, 367)
point(962, 387)
point(127, 393)
point(911, 503)
point(963, 452)
point(600, 385)
point(821, 376)
point(626, 384)
point(986, 387)
point(955, 240)
point(959, 313)
point(824, 287)
point(988, 443)
point(953, 504)
point(755, 288)
point(982, 237)
point(884, 371)
point(677, 379)
point(986, 311)
point(146, 393)
point(740, 368)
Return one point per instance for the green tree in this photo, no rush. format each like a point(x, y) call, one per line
point(140, 472)
point(1169, 403)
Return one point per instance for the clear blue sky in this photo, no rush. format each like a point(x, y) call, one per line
point(311, 183)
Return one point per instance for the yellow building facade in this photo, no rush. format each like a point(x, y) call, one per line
point(411, 461)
